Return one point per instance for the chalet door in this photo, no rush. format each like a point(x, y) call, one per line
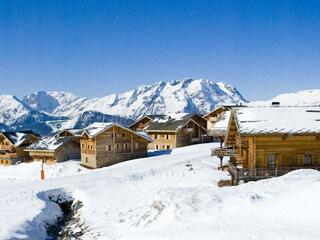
point(271, 161)
point(307, 160)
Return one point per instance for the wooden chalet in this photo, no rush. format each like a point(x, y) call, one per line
point(104, 144)
point(12, 145)
point(176, 131)
point(55, 149)
point(271, 141)
point(217, 121)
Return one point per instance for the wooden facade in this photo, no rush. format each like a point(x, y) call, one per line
point(172, 131)
point(190, 133)
point(112, 145)
point(12, 152)
point(214, 116)
point(262, 155)
point(141, 123)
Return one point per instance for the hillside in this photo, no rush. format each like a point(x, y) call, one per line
point(300, 98)
point(160, 198)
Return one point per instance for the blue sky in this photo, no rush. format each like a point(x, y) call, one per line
point(95, 48)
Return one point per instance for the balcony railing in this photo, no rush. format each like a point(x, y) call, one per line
point(224, 152)
point(253, 174)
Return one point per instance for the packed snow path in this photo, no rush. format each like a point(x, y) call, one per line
point(161, 198)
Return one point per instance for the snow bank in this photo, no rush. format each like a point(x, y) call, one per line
point(161, 198)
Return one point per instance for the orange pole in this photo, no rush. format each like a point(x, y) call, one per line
point(42, 172)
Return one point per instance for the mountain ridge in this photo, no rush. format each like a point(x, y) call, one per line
point(55, 110)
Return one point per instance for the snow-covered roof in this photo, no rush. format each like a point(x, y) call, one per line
point(18, 138)
point(97, 128)
point(278, 120)
point(144, 135)
point(173, 122)
point(223, 122)
point(50, 143)
point(217, 108)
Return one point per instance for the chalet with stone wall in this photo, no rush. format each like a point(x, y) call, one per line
point(104, 144)
point(176, 131)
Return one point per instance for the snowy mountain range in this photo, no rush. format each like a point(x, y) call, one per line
point(45, 112)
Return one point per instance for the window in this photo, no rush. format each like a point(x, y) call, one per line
point(6, 143)
point(157, 147)
point(86, 159)
point(168, 147)
point(88, 146)
point(307, 160)
point(118, 146)
point(125, 146)
point(83, 146)
point(136, 145)
point(167, 136)
point(271, 161)
point(163, 147)
point(91, 146)
point(1, 161)
point(109, 148)
point(159, 136)
point(7, 162)
point(123, 134)
point(155, 136)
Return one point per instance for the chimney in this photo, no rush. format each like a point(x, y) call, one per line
point(275, 104)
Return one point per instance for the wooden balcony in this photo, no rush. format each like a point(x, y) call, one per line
point(254, 174)
point(223, 152)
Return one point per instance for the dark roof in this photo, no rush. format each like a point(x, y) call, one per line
point(190, 115)
point(170, 125)
point(156, 116)
point(18, 137)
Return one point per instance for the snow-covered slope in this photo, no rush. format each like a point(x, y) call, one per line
point(49, 101)
point(11, 108)
point(301, 98)
point(161, 198)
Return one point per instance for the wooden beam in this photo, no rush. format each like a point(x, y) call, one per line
point(114, 140)
point(131, 144)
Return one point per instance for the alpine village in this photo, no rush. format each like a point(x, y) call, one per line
point(257, 141)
